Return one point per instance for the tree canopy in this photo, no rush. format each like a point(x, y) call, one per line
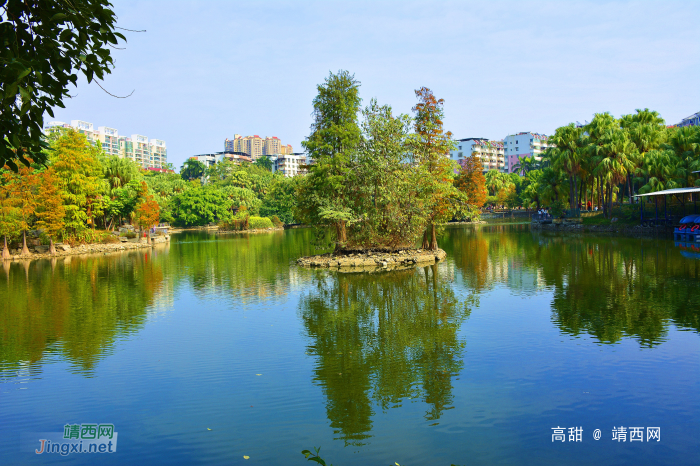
point(46, 44)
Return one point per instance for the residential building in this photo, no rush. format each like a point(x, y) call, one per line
point(255, 146)
point(147, 153)
point(521, 145)
point(692, 120)
point(109, 138)
point(209, 160)
point(291, 164)
point(490, 152)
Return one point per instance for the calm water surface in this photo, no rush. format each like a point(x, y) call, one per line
point(472, 361)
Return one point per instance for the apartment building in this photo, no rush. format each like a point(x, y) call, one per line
point(255, 146)
point(290, 164)
point(209, 160)
point(526, 144)
point(151, 153)
point(491, 153)
point(692, 120)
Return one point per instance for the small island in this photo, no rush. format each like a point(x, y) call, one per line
point(375, 259)
point(378, 185)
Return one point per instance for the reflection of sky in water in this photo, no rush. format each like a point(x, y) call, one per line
point(515, 333)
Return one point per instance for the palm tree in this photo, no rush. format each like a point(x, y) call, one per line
point(119, 172)
point(568, 154)
point(685, 143)
point(525, 165)
point(614, 162)
point(494, 181)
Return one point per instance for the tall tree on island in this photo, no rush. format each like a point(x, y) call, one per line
point(323, 195)
point(431, 147)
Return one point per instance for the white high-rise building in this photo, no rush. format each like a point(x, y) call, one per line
point(522, 145)
point(147, 153)
point(490, 153)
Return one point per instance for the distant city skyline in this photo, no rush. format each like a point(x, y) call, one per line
point(502, 67)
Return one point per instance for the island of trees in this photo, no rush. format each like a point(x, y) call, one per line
point(385, 182)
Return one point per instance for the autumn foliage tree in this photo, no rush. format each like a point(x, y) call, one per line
point(79, 174)
point(50, 213)
point(148, 211)
point(471, 181)
point(431, 146)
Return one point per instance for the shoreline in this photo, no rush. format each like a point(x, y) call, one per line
point(633, 231)
point(373, 260)
point(85, 249)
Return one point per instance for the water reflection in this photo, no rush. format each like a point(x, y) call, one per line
point(74, 307)
point(383, 338)
point(607, 287)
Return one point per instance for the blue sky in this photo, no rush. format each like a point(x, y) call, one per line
point(207, 70)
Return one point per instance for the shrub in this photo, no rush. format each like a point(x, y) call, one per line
point(109, 239)
point(276, 221)
point(129, 234)
point(260, 223)
point(235, 224)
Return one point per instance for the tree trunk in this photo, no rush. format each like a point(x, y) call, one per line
point(433, 238)
point(341, 236)
point(571, 192)
point(629, 186)
point(426, 244)
point(25, 249)
point(52, 248)
point(5, 251)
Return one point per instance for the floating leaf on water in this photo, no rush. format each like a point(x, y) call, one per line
point(258, 374)
point(246, 457)
point(208, 428)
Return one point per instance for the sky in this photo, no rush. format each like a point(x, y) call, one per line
point(206, 70)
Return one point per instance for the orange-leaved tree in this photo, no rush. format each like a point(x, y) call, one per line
point(22, 191)
point(50, 213)
point(431, 148)
point(9, 215)
point(148, 210)
point(471, 181)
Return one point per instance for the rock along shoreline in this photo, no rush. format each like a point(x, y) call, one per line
point(96, 248)
point(374, 260)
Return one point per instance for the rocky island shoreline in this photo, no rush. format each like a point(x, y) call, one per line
point(374, 259)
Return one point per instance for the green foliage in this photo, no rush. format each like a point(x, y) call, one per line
point(281, 199)
point(323, 198)
point(314, 456)
point(264, 163)
point(260, 223)
point(45, 44)
point(80, 177)
point(200, 206)
point(388, 210)
point(192, 170)
point(557, 208)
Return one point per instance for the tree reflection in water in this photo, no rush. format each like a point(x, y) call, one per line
point(607, 287)
point(382, 338)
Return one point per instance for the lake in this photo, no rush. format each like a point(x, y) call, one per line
point(215, 348)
